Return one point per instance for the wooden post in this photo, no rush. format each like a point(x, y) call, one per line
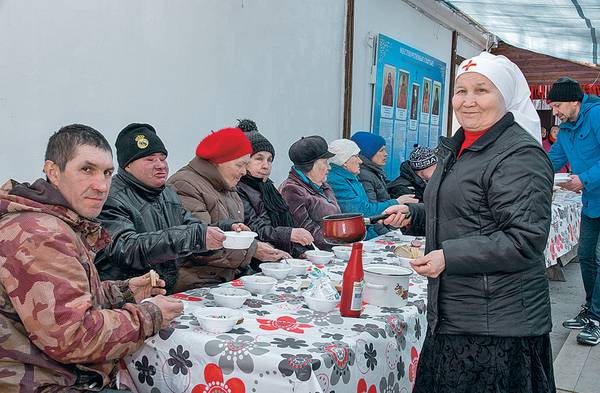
point(349, 45)
point(454, 61)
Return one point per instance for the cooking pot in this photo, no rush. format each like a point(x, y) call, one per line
point(347, 228)
point(386, 285)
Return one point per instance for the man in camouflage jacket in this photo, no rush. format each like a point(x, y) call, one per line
point(61, 328)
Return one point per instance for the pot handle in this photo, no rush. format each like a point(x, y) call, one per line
point(375, 286)
point(374, 219)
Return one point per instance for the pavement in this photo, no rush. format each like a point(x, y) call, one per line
point(576, 367)
point(566, 298)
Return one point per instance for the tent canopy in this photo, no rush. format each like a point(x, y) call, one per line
point(567, 29)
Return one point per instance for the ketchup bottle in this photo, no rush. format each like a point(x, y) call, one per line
point(352, 286)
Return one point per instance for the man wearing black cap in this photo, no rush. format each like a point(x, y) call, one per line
point(578, 143)
point(149, 227)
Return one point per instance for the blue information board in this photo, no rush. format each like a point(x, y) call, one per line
point(408, 100)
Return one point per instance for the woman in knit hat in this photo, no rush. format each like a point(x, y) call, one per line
point(414, 174)
point(265, 211)
point(486, 214)
point(306, 191)
point(374, 156)
point(349, 192)
point(207, 188)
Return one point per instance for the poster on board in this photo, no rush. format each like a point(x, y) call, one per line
point(408, 100)
point(402, 102)
point(387, 93)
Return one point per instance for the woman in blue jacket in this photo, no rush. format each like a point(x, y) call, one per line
point(349, 191)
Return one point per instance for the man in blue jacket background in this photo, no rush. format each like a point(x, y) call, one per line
point(578, 143)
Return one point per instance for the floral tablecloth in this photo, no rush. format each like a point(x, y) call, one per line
point(564, 231)
point(282, 346)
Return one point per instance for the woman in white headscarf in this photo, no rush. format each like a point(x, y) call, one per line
point(486, 215)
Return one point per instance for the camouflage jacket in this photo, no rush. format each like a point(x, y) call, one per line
point(60, 326)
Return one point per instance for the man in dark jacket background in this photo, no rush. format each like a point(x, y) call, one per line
point(414, 174)
point(149, 227)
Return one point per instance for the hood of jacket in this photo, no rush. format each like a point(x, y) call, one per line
point(589, 101)
point(337, 170)
point(369, 164)
point(408, 173)
point(43, 197)
point(209, 171)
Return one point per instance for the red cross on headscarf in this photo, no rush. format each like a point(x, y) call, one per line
point(469, 65)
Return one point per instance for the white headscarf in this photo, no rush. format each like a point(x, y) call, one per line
point(511, 82)
point(343, 150)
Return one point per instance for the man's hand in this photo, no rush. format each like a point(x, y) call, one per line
point(169, 307)
point(398, 217)
point(408, 198)
point(430, 265)
point(239, 227)
point(267, 253)
point(214, 238)
point(574, 184)
point(302, 236)
point(142, 288)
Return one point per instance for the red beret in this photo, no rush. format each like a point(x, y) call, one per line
point(224, 145)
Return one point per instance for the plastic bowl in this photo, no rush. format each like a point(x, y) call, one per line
point(321, 305)
point(560, 178)
point(217, 319)
point(405, 262)
point(275, 269)
point(319, 257)
point(258, 285)
point(230, 297)
point(342, 252)
point(298, 266)
point(238, 240)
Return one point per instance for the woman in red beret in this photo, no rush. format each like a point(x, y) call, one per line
point(207, 188)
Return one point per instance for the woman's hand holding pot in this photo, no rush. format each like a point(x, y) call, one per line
point(399, 216)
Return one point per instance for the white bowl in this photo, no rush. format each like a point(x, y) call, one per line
point(217, 319)
point(342, 252)
point(298, 266)
point(238, 240)
point(560, 178)
point(258, 285)
point(321, 305)
point(405, 262)
point(230, 297)
point(319, 257)
point(275, 269)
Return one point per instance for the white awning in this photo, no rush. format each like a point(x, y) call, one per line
point(566, 29)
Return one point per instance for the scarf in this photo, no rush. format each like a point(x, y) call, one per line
point(276, 208)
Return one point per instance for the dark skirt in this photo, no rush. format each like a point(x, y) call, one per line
point(481, 364)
